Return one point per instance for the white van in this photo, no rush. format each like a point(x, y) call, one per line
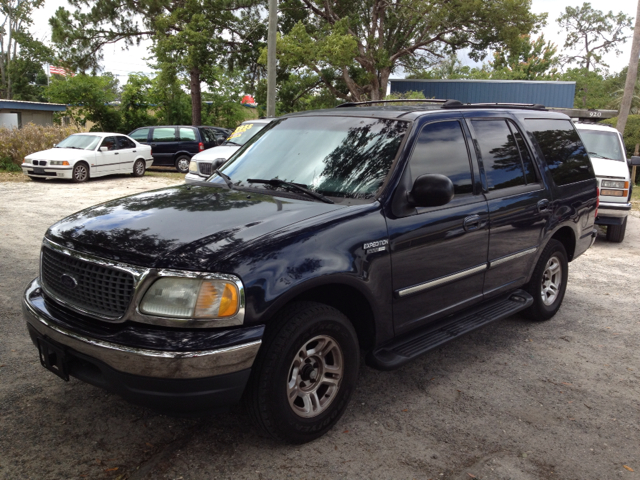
point(606, 150)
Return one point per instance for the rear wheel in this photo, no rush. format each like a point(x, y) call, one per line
point(615, 233)
point(138, 168)
point(182, 164)
point(548, 282)
point(80, 173)
point(305, 373)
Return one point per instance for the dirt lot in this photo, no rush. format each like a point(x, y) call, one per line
point(516, 400)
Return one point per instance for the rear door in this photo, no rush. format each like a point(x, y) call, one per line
point(439, 254)
point(127, 153)
point(164, 144)
point(519, 205)
point(189, 140)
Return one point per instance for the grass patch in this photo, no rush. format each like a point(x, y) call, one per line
point(157, 172)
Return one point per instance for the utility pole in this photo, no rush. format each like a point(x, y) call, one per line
point(632, 75)
point(271, 58)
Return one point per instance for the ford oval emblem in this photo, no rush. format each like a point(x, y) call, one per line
point(68, 281)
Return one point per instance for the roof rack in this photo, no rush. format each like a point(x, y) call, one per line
point(402, 100)
point(451, 104)
point(524, 106)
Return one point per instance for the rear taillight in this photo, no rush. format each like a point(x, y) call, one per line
point(151, 152)
point(597, 201)
point(201, 146)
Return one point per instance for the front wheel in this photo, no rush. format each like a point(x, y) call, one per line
point(615, 233)
point(80, 173)
point(305, 373)
point(182, 164)
point(548, 282)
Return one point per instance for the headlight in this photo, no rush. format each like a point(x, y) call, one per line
point(191, 298)
point(59, 162)
point(612, 184)
point(193, 166)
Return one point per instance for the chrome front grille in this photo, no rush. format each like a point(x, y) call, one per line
point(205, 168)
point(98, 289)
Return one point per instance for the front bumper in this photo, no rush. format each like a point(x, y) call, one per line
point(48, 172)
point(194, 177)
point(166, 376)
point(610, 213)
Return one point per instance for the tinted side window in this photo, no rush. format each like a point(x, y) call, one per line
point(441, 148)
point(500, 155)
point(187, 135)
point(167, 134)
point(527, 161)
point(563, 150)
point(109, 142)
point(141, 134)
point(124, 142)
point(207, 135)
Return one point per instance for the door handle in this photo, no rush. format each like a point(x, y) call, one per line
point(116, 153)
point(544, 205)
point(472, 222)
point(134, 151)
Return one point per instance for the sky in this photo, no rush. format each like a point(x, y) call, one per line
point(123, 62)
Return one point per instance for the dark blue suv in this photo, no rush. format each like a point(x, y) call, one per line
point(386, 230)
point(174, 145)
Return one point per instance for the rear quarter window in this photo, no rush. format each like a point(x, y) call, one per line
point(564, 152)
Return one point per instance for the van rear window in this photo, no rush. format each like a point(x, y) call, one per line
point(564, 152)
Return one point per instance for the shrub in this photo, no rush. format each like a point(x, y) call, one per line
point(7, 165)
point(16, 143)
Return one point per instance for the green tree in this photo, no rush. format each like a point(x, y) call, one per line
point(20, 55)
point(593, 34)
point(136, 103)
point(188, 35)
point(526, 59)
point(363, 42)
point(90, 98)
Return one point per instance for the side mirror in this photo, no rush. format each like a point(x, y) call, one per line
point(217, 163)
point(431, 190)
point(104, 149)
point(634, 161)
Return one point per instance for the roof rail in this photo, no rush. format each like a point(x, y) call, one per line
point(524, 106)
point(402, 100)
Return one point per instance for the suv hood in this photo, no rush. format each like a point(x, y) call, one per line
point(605, 167)
point(210, 154)
point(167, 227)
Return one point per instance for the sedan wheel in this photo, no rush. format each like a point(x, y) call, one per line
point(138, 169)
point(80, 173)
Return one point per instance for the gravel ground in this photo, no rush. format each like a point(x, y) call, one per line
point(515, 400)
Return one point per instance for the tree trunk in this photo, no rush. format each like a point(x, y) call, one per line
point(196, 97)
point(632, 75)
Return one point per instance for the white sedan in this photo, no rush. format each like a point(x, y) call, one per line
point(87, 155)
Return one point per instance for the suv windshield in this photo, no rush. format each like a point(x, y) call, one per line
point(244, 132)
point(82, 142)
point(334, 156)
point(602, 144)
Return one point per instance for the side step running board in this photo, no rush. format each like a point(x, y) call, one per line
point(406, 348)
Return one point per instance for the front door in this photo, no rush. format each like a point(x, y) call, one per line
point(106, 161)
point(439, 254)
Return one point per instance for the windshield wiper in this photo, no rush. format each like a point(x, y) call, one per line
point(225, 177)
point(226, 142)
point(596, 155)
point(275, 182)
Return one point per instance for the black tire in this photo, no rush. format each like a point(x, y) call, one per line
point(615, 233)
point(182, 163)
point(278, 404)
point(545, 281)
point(139, 167)
point(80, 172)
